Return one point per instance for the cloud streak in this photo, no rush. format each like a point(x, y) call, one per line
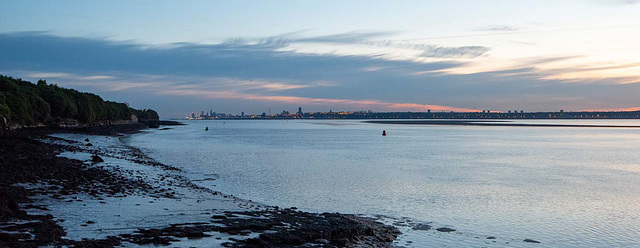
point(455, 52)
point(389, 106)
point(372, 39)
point(502, 28)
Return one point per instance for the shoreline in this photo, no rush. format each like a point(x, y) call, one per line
point(92, 174)
point(503, 123)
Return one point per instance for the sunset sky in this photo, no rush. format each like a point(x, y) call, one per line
point(180, 57)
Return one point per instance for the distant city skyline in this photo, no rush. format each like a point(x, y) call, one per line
point(251, 56)
point(428, 114)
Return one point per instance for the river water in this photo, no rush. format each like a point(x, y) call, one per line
point(563, 187)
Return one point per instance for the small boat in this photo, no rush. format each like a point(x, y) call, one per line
point(384, 132)
point(206, 128)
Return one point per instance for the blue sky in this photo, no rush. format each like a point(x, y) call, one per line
point(251, 56)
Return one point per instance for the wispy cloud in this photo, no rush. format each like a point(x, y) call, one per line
point(49, 75)
point(345, 103)
point(523, 43)
point(434, 51)
point(502, 28)
point(278, 86)
point(455, 52)
point(379, 39)
point(97, 77)
point(349, 37)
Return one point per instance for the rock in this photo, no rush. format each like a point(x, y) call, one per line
point(96, 159)
point(219, 217)
point(12, 238)
point(322, 241)
point(295, 228)
point(48, 231)
point(87, 139)
point(27, 160)
point(491, 237)
point(446, 229)
point(110, 241)
point(230, 215)
point(423, 227)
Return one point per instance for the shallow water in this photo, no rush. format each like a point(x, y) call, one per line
point(560, 186)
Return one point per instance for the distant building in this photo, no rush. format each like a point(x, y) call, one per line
point(242, 113)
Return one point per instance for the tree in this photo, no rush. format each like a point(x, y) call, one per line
point(23, 102)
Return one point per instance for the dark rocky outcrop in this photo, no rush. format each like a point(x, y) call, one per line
point(280, 228)
point(27, 160)
point(340, 230)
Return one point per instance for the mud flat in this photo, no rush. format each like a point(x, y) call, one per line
point(87, 188)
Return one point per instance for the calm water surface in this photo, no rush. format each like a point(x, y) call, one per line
point(565, 187)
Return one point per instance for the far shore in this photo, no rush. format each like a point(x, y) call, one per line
point(490, 123)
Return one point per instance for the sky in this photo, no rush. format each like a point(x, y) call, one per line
point(179, 57)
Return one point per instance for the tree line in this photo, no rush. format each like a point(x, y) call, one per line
point(25, 103)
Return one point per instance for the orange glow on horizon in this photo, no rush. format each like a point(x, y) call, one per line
point(388, 106)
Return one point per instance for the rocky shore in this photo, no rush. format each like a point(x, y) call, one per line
point(83, 189)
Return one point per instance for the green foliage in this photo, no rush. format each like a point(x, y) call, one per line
point(23, 102)
point(5, 111)
point(61, 100)
point(148, 114)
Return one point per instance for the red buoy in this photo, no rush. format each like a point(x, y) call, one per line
point(384, 132)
